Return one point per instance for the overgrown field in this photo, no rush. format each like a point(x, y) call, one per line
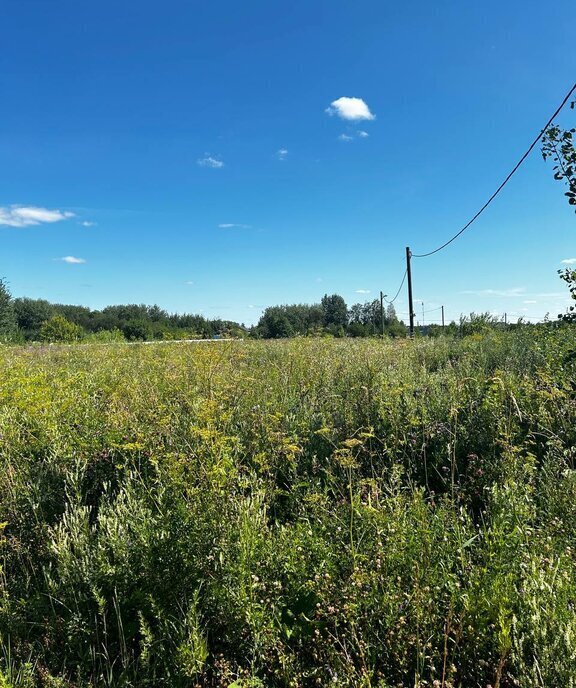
point(302, 513)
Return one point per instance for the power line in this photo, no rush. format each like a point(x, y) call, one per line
point(499, 189)
point(399, 289)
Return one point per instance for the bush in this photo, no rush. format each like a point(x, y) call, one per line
point(58, 329)
point(137, 330)
point(106, 336)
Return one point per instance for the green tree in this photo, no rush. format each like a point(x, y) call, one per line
point(31, 314)
point(58, 329)
point(392, 325)
point(137, 330)
point(7, 316)
point(558, 145)
point(275, 323)
point(569, 276)
point(334, 311)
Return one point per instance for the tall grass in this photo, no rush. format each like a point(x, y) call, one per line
point(302, 513)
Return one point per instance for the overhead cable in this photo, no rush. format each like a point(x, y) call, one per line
point(499, 189)
point(399, 289)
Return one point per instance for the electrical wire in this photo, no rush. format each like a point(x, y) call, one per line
point(399, 288)
point(499, 189)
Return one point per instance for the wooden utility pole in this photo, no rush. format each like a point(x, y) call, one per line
point(442, 317)
point(410, 301)
point(382, 313)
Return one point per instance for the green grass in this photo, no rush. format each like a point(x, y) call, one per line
point(299, 513)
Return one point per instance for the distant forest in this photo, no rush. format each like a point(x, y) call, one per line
point(26, 319)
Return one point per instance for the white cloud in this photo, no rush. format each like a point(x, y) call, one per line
point(72, 260)
point(87, 223)
point(350, 108)
point(515, 291)
point(231, 225)
point(530, 301)
point(362, 291)
point(210, 161)
point(569, 261)
point(352, 136)
point(282, 153)
point(26, 216)
point(189, 282)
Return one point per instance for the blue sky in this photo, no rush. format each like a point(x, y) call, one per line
point(189, 153)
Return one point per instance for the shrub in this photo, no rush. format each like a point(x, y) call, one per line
point(58, 329)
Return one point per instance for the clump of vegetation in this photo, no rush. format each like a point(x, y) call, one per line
point(58, 329)
point(7, 315)
point(299, 513)
point(135, 322)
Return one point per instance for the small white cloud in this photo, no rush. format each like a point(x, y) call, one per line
point(232, 225)
point(514, 291)
point(189, 282)
point(319, 279)
point(529, 301)
point(26, 216)
point(568, 261)
point(345, 137)
point(350, 108)
point(87, 223)
point(362, 134)
point(282, 153)
point(72, 260)
point(210, 161)
point(362, 291)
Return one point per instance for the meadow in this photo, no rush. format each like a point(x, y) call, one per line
point(312, 512)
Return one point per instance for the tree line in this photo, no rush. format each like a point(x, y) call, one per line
point(329, 317)
point(25, 319)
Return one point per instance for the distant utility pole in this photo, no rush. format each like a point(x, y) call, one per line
point(410, 301)
point(423, 323)
point(442, 317)
point(505, 319)
point(382, 311)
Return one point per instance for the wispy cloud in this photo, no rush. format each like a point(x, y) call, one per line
point(353, 136)
point(232, 225)
point(282, 153)
point(569, 261)
point(189, 282)
point(27, 216)
point(210, 161)
point(72, 260)
point(530, 301)
point(515, 291)
point(87, 223)
point(350, 108)
point(362, 291)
